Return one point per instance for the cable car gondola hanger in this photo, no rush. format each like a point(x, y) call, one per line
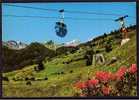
point(61, 27)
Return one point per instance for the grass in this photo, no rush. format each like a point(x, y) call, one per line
point(62, 85)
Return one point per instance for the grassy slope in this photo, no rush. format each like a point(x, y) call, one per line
point(61, 85)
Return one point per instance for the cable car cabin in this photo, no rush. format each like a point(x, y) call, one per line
point(61, 29)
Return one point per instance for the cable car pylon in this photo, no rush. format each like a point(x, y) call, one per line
point(123, 27)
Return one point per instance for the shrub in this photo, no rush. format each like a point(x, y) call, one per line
point(5, 79)
point(26, 78)
point(28, 83)
point(108, 45)
point(71, 71)
point(46, 78)
point(32, 79)
point(120, 83)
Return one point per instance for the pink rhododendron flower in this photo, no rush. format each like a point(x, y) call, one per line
point(132, 69)
point(82, 95)
point(92, 82)
point(112, 76)
point(103, 76)
point(120, 73)
point(80, 85)
point(106, 90)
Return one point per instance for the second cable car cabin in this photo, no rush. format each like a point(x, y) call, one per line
point(60, 27)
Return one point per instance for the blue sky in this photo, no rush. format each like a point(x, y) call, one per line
point(41, 30)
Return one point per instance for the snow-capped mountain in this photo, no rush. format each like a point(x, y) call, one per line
point(72, 43)
point(14, 44)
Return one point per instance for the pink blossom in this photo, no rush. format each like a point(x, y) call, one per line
point(132, 69)
point(106, 90)
point(80, 85)
point(82, 95)
point(92, 82)
point(120, 73)
point(103, 76)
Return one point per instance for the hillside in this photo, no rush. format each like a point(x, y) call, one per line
point(17, 59)
point(37, 52)
point(58, 77)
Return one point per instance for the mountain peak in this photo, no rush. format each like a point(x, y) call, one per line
point(12, 44)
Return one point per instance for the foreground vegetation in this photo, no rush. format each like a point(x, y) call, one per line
point(121, 83)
